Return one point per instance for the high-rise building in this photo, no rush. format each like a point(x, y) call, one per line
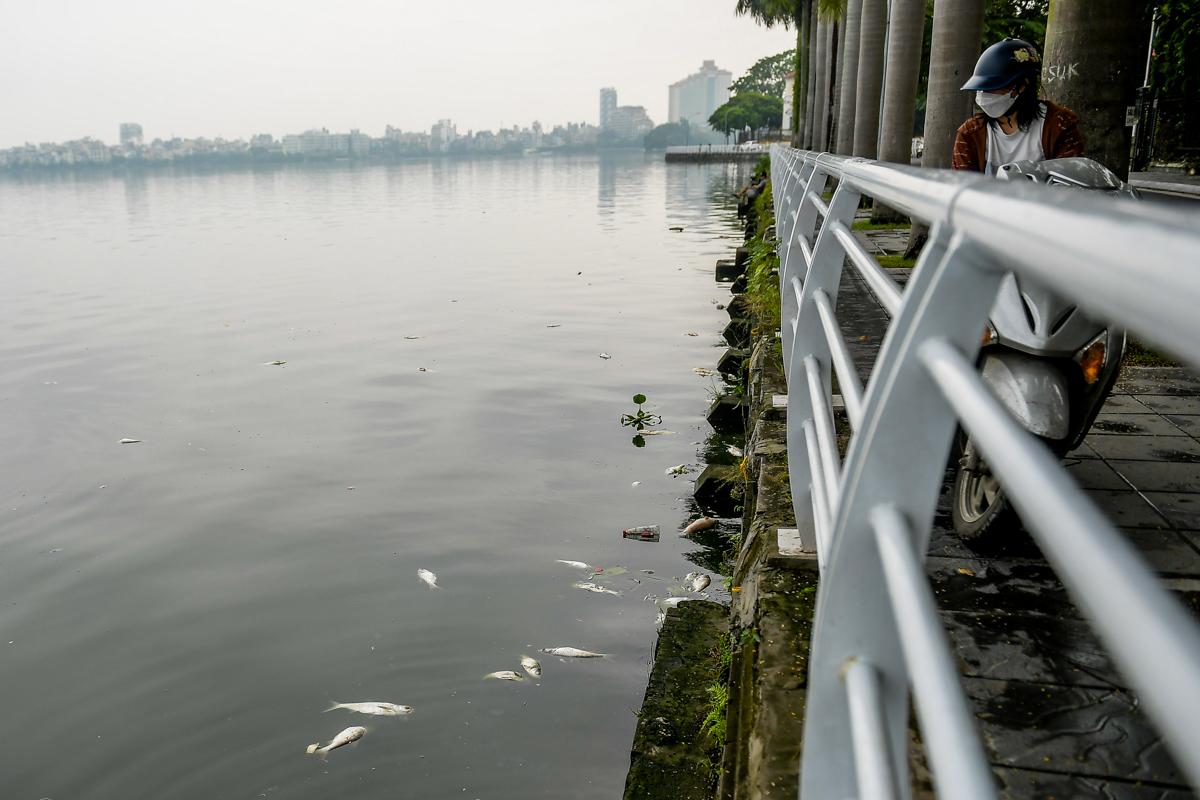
point(131, 134)
point(442, 134)
point(608, 104)
point(698, 95)
point(630, 123)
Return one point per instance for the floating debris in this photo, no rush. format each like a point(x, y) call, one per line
point(636, 484)
point(344, 738)
point(679, 469)
point(572, 652)
point(676, 228)
point(735, 451)
point(605, 356)
point(704, 372)
point(970, 573)
point(702, 524)
point(129, 441)
point(274, 364)
point(592, 587)
point(412, 337)
point(642, 533)
point(672, 602)
point(690, 333)
point(429, 578)
point(701, 583)
point(575, 564)
point(720, 306)
point(531, 665)
point(651, 432)
point(375, 708)
point(555, 325)
point(503, 675)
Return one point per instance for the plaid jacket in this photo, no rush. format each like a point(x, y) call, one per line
point(1061, 138)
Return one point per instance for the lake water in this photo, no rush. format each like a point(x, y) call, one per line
point(177, 614)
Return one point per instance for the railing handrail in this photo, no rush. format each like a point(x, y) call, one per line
point(877, 632)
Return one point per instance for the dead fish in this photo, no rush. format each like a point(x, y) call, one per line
point(701, 583)
point(704, 523)
point(704, 372)
point(531, 665)
point(691, 333)
point(555, 325)
point(678, 469)
point(735, 451)
point(658, 432)
point(575, 564)
point(274, 363)
point(691, 576)
point(591, 587)
point(503, 675)
point(572, 652)
point(129, 441)
point(428, 577)
point(676, 228)
point(344, 738)
point(720, 306)
point(412, 337)
point(375, 708)
point(672, 602)
point(605, 356)
point(636, 484)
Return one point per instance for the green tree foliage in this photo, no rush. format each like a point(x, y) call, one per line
point(767, 76)
point(1176, 64)
point(1020, 19)
point(748, 109)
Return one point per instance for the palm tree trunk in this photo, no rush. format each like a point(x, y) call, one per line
point(825, 89)
point(800, 82)
point(870, 77)
point(811, 104)
point(820, 90)
point(848, 88)
point(835, 92)
point(957, 31)
point(1093, 65)
point(903, 70)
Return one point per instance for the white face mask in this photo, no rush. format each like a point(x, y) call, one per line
point(995, 105)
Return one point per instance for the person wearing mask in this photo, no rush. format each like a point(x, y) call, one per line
point(1015, 125)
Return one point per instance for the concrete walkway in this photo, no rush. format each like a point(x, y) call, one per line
point(1167, 182)
point(1057, 718)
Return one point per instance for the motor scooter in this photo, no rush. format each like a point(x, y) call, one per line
point(1049, 364)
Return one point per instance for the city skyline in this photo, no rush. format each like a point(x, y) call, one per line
point(69, 71)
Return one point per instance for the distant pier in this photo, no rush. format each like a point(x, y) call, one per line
point(717, 152)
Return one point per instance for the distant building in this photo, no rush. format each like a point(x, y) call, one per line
point(131, 134)
point(442, 135)
point(630, 123)
point(789, 87)
point(698, 95)
point(608, 104)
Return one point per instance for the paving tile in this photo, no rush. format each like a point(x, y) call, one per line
point(1158, 380)
point(1188, 423)
point(1168, 552)
point(1093, 473)
point(1027, 783)
point(1083, 451)
point(1170, 404)
point(1129, 424)
point(1183, 510)
point(1144, 448)
point(987, 586)
point(1123, 404)
point(1127, 509)
point(1158, 476)
point(1073, 730)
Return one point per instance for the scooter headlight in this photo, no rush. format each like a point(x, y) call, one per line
point(989, 335)
point(1092, 357)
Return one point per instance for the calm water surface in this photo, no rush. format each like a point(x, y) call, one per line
point(175, 615)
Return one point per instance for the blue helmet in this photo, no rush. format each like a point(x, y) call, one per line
point(1003, 64)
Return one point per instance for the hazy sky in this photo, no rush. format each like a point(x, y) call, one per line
point(232, 69)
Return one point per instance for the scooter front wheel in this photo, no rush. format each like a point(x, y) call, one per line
point(980, 509)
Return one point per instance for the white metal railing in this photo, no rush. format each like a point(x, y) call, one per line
point(717, 149)
point(877, 635)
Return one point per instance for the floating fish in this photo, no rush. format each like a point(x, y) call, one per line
point(376, 708)
point(735, 451)
point(676, 228)
point(129, 441)
point(672, 602)
point(605, 356)
point(691, 333)
point(274, 364)
point(720, 306)
point(503, 675)
point(531, 665)
point(575, 564)
point(704, 372)
point(691, 576)
point(704, 523)
point(642, 533)
point(701, 583)
point(555, 325)
point(591, 587)
point(636, 484)
point(660, 619)
point(656, 432)
point(428, 577)
point(678, 469)
point(412, 337)
point(344, 738)
point(572, 652)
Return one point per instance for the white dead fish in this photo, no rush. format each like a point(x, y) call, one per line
point(691, 333)
point(591, 587)
point(344, 738)
point(531, 665)
point(575, 564)
point(555, 325)
point(376, 708)
point(735, 451)
point(572, 652)
point(605, 356)
point(503, 675)
point(428, 577)
point(701, 583)
point(671, 602)
point(636, 484)
point(691, 576)
point(678, 469)
point(274, 363)
point(704, 372)
point(656, 432)
point(704, 523)
point(129, 441)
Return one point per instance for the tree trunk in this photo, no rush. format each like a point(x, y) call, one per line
point(835, 69)
point(848, 81)
point(826, 88)
point(813, 60)
point(870, 78)
point(903, 70)
point(1093, 64)
point(800, 83)
point(821, 90)
point(957, 31)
